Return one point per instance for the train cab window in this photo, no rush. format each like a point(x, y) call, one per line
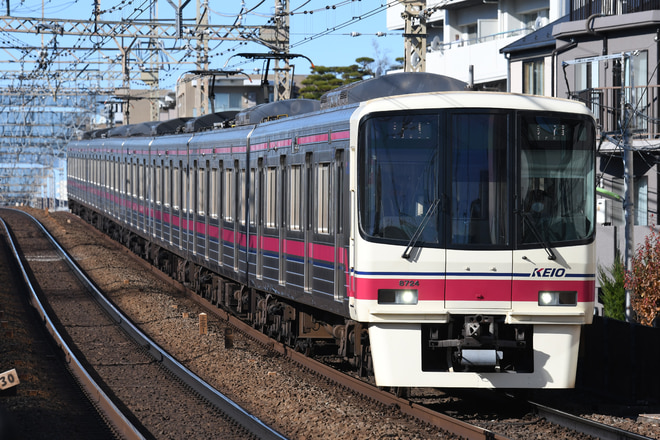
point(399, 159)
point(295, 198)
point(556, 179)
point(323, 195)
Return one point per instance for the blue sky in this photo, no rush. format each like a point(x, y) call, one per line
point(323, 30)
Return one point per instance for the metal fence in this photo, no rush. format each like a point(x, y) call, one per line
point(583, 9)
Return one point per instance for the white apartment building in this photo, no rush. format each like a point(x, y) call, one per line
point(464, 33)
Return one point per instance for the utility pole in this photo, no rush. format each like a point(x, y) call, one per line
point(626, 122)
point(203, 56)
point(415, 35)
point(282, 74)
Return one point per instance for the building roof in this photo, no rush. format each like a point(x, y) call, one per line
point(541, 39)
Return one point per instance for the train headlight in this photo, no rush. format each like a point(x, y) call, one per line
point(557, 298)
point(397, 296)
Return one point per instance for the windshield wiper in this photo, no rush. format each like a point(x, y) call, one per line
point(418, 232)
point(537, 234)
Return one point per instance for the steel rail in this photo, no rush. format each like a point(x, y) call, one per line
point(586, 426)
point(419, 412)
point(246, 420)
point(93, 391)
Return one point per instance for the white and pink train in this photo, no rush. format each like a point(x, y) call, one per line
point(429, 235)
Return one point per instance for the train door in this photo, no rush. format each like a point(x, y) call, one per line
point(206, 206)
point(242, 239)
point(115, 186)
point(123, 187)
point(478, 258)
point(308, 220)
point(278, 201)
point(195, 203)
point(229, 213)
point(156, 210)
point(142, 196)
point(185, 206)
point(222, 211)
point(166, 221)
point(250, 242)
point(338, 202)
point(238, 207)
point(258, 216)
point(134, 189)
point(174, 209)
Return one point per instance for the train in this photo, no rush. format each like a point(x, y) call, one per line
point(423, 233)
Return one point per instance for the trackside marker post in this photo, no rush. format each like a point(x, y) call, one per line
point(203, 324)
point(9, 379)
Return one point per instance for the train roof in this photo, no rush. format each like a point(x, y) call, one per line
point(276, 110)
point(151, 128)
point(403, 83)
point(209, 122)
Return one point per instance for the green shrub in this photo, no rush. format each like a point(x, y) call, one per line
point(613, 289)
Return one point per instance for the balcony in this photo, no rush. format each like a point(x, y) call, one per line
point(583, 9)
point(606, 103)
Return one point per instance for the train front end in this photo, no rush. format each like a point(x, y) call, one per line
point(472, 250)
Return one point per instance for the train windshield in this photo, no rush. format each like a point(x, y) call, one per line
point(556, 180)
point(448, 179)
point(399, 179)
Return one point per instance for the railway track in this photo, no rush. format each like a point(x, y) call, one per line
point(142, 390)
point(442, 425)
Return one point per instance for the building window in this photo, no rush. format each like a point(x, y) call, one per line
point(228, 101)
point(641, 201)
point(535, 20)
point(533, 77)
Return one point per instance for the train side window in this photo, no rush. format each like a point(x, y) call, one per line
point(123, 178)
point(241, 196)
point(228, 206)
point(131, 179)
point(185, 189)
point(213, 194)
point(134, 179)
point(141, 181)
point(253, 183)
point(294, 198)
point(158, 183)
point(176, 189)
point(166, 186)
point(323, 198)
point(271, 197)
point(201, 191)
